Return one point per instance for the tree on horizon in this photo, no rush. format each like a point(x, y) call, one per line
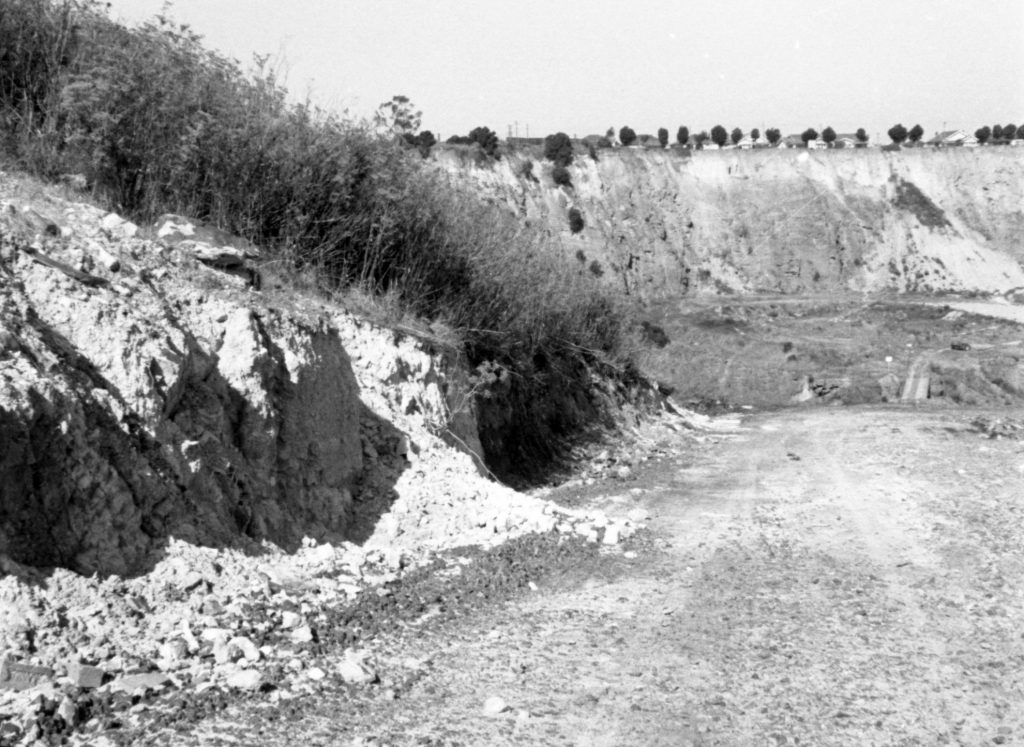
point(663, 137)
point(897, 133)
point(682, 135)
point(773, 134)
point(558, 149)
point(736, 135)
point(808, 135)
point(829, 136)
point(627, 136)
point(916, 133)
point(719, 136)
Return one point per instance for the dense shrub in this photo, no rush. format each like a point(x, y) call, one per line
point(575, 220)
point(486, 139)
point(558, 149)
point(560, 176)
point(159, 124)
point(897, 133)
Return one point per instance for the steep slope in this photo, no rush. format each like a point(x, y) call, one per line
point(145, 395)
point(662, 223)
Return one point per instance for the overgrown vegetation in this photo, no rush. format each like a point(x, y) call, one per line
point(156, 123)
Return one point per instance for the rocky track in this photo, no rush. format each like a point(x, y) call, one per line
point(839, 576)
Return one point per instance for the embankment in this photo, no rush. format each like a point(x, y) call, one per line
point(660, 224)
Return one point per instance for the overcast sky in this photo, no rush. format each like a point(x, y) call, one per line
point(583, 66)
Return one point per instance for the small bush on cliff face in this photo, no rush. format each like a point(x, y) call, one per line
point(159, 124)
point(526, 171)
point(575, 220)
point(560, 176)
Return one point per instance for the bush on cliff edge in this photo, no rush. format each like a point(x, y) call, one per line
point(157, 123)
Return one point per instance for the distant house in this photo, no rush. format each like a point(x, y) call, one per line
point(849, 140)
point(949, 138)
point(791, 141)
point(746, 143)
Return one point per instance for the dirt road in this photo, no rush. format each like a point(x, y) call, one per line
point(837, 576)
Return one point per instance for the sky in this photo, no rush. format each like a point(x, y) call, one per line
point(542, 66)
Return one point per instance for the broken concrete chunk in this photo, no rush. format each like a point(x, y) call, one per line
point(85, 675)
point(131, 683)
point(17, 676)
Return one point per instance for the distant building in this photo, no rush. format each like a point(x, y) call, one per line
point(950, 138)
point(849, 140)
point(523, 141)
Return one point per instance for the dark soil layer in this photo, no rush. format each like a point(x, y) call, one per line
point(760, 352)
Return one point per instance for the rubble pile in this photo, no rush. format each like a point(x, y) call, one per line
point(209, 489)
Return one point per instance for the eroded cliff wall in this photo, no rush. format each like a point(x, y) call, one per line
point(145, 395)
point(663, 223)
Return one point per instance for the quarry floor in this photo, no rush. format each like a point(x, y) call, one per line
point(817, 576)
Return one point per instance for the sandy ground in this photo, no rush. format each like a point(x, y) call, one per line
point(832, 576)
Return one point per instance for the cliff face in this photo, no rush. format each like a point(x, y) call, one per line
point(145, 395)
point(660, 224)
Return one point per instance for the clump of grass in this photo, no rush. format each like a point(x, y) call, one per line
point(156, 123)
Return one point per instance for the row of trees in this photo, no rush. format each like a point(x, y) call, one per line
point(721, 137)
point(999, 133)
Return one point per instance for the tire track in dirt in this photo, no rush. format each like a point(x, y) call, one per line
point(833, 576)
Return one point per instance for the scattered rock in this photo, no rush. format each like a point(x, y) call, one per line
point(85, 675)
point(495, 706)
point(17, 676)
point(244, 679)
point(353, 670)
point(131, 683)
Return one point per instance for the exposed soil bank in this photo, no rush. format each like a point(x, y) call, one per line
point(661, 224)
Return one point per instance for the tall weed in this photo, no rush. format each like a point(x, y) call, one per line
point(157, 123)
